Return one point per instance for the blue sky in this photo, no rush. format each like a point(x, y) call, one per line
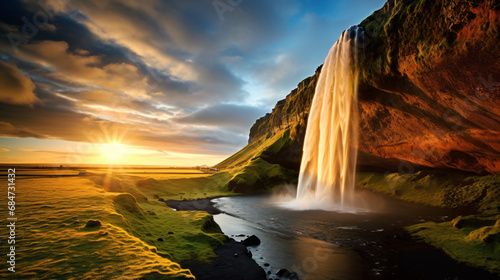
point(179, 81)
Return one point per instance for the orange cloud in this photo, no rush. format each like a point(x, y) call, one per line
point(55, 152)
point(78, 67)
point(8, 130)
point(15, 88)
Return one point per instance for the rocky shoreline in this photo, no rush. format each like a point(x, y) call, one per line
point(201, 204)
point(233, 261)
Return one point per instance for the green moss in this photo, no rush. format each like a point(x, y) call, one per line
point(61, 247)
point(260, 176)
point(415, 29)
point(256, 168)
point(186, 188)
point(473, 239)
point(436, 188)
point(187, 235)
point(474, 243)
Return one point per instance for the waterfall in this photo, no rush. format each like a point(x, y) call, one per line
point(327, 172)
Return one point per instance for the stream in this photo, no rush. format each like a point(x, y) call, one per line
point(319, 244)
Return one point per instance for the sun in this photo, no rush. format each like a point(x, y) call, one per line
point(113, 151)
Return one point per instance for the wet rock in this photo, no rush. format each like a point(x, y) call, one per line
point(93, 223)
point(293, 276)
point(251, 241)
point(248, 253)
point(283, 272)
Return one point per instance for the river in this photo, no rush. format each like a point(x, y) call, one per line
point(331, 245)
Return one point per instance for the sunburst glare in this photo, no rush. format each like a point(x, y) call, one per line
point(113, 151)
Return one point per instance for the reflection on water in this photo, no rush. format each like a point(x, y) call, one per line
point(310, 258)
point(321, 244)
point(286, 239)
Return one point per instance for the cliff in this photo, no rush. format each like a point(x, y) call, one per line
point(429, 110)
point(429, 92)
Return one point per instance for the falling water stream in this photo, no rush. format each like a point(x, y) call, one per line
point(327, 172)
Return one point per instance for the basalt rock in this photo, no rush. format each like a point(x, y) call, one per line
point(251, 241)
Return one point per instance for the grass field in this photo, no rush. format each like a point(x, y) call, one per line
point(52, 241)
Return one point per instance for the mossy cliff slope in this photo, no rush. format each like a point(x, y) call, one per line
point(272, 156)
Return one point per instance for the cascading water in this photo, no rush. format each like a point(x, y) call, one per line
point(327, 172)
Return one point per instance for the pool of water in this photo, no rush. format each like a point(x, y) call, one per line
point(369, 244)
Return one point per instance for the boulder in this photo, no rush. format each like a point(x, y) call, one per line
point(251, 241)
point(293, 276)
point(283, 272)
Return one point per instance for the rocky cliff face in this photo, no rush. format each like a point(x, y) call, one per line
point(289, 112)
point(429, 93)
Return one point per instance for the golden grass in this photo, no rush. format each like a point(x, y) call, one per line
point(53, 242)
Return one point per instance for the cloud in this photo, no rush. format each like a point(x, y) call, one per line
point(4, 150)
point(169, 75)
point(15, 88)
point(64, 65)
point(8, 130)
point(235, 117)
point(56, 152)
point(80, 127)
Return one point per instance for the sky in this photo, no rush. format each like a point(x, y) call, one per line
point(172, 83)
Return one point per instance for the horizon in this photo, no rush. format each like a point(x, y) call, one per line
point(180, 86)
point(91, 165)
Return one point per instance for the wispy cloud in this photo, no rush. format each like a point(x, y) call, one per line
point(165, 75)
